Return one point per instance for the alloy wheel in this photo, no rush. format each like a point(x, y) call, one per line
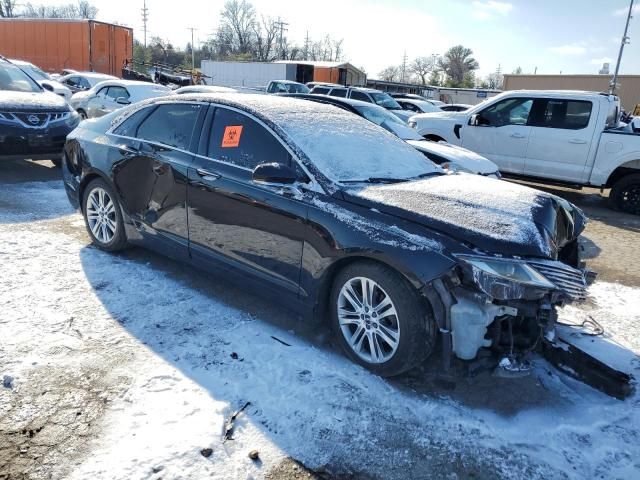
point(368, 320)
point(101, 215)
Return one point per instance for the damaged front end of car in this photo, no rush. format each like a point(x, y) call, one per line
point(509, 305)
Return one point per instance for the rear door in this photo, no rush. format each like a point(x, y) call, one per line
point(561, 138)
point(502, 133)
point(156, 153)
point(234, 222)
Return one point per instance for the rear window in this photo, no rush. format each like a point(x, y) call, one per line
point(338, 92)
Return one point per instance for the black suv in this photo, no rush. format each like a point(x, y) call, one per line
point(34, 123)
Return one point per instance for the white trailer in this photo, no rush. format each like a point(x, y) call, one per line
point(246, 74)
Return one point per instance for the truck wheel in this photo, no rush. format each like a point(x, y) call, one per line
point(625, 194)
point(379, 319)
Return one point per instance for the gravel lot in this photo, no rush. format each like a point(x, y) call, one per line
point(123, 367)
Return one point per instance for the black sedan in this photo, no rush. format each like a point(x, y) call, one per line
point(332, 214)
point(34, 122)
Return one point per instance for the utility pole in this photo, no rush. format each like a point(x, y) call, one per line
point(145, 17)
point(625, 40)
point(306, 46)
point(281, 25)
point(193, 57)
point(404, 65)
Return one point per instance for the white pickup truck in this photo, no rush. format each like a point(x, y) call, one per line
point(558, 137)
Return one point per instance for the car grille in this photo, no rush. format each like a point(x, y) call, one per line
point(568, 279)
point(34, 120)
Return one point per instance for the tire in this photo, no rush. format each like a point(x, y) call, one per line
point(412, 326)
point(83, 114)
point(103, 217)
point(625, 194)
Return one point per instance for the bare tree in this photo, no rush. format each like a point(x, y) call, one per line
point(7, 8)
point(82, 9)
point(458, 64)
point(266, 33)
point(238, 17)
point(423, 66)
point(86, 10)
point(390, 74)
point(494, 81)
point(327, 49)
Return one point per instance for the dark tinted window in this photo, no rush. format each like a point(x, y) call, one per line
point(567, 114)
point(338, 92)
point(72, 81)
point(356, 95)
point(129, 127)
point(170, 124)
point(237, 139)
point(409, 106)
point(320, 90)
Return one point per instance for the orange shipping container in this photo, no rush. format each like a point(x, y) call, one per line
point(54, 44)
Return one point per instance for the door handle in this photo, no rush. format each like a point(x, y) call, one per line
point(577, 141)
point(207, 175)
point(516, 135)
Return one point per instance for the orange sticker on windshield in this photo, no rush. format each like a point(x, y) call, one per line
point(231, 137)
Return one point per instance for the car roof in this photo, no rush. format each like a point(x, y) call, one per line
point(555, 93)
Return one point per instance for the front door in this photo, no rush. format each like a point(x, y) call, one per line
point(234, 222)
point(501, 133)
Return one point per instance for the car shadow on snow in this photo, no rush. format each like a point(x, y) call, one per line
point(471, 384)
point(31, 191)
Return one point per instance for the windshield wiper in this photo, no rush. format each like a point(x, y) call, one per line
point(377, 180)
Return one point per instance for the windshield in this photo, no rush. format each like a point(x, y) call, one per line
point(14, 79)
point(35, 72)
point(296, 88)
point(389, 121)
point(385, 100)
point(348, 148)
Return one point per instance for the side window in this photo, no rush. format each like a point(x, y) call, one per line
point(102, 93)
point(240, 140)
point(320, 90)
point(356, 95)
point(117, 92)
point(72, 81)
point(170, 124)
point(565, 114)
point(512, 111)
point(338, 92)
point(409, 106)
point(129, 127)
point(84, 83)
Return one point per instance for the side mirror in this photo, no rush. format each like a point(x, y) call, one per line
point(274, 174)
point(47, 86)
point(474, 120)
point(122, 101)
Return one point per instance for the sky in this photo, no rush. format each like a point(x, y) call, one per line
point(543, 36)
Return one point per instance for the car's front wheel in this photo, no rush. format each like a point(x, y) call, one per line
point(379, 319)
point(103, 217)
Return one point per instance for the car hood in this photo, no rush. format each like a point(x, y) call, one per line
point(445, 152)
point(491, 215)
point(31, 102)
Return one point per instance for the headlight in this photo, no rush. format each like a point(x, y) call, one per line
point(454, 167)
point(504, 279)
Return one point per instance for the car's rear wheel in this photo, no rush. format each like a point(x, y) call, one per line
point(379, 319)
point(103, 217)
point(83, 114)
point(625, 194)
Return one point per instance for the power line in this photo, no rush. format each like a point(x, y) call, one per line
point(280, 24)
point(145, 17)
point(404, 65)
point(625, 40)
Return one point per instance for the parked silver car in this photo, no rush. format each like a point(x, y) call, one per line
point(110, 95)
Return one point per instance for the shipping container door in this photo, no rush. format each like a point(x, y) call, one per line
point(100, 48)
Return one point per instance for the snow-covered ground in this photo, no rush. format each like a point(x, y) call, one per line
point(137, 354)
